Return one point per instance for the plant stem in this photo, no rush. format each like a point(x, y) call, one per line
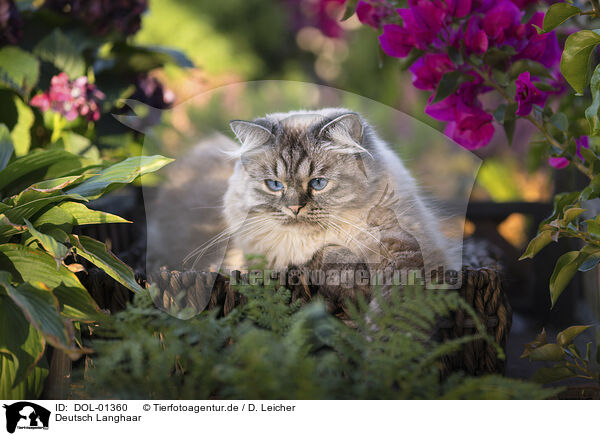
point(540, 126)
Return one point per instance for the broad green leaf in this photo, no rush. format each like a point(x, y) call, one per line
point(558, 14)
point(41, 309)
point(19, 70)
point(547, 352)
point(29, 208)
point(30, 265)
point(575, 60)
point(449, 83)
point(564, 270)
point(536, 244)
point(58, 50)
point(590, 263)
point(8, 228)
point(97, 253)
point(565, 337)
point(121, 173)
point(553, 374)
point(21, 348)
point(32, 162)
point(561, 201)
point(6, 146)
point(506, 115)
point(84, 216)
point(592, 112)
point(560, 121)
point(51, 245)
point(59, 183)
point(21, 134)
point(593, 228)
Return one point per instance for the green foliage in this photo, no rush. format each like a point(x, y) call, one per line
point(269, 349)
point(575, 61)
point(43, 197)
point(557, 14)
point(569, 361)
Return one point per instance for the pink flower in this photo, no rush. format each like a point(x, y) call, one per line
point(70, 98)
point(396, 41)
point(458, 8)
point(527, 95)
point(447, 109)
point(502, 22)
point(475, 38)
point(373, 14)
point(423, 20)
point(429, 69)
point(472, 128)
point(558, 162)
point(562, 162)
point(582, 142)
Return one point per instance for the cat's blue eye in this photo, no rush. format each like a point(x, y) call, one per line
point(274, 185)
point(318, 183)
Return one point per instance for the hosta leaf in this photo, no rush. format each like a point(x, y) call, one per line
point(33, 162)
point(21, 348)
point(58, 50)
point(557, 14)
point(6, 146)
point(575, 60)
point(30, 265)
point(21, 134)
point(51, 245)
point(121, 173)
point(29, 208)
point(565, 337)
point(97, 253)
point(19, 70)
point(42, 310)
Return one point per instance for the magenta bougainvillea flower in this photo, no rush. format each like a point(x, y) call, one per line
point(502, 22)
point(472, 127)
point(475, 38)
point(429, 69)
point(70, 98)
point(423, 20)
point(542, 48)
point(373, 13)
point(396, 41)
point(11, 24)
point(527, 94)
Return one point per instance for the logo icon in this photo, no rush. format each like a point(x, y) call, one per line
point(26, 415)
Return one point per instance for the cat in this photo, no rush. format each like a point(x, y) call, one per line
point(320, 188)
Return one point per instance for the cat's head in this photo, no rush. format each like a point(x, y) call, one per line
point(303, 168)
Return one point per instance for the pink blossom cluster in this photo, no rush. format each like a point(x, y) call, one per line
point(449, 33)
point(70, 98)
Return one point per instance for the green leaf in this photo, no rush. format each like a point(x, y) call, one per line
point(21, 349)
point(536, 244)
point(553, 374)
point(71, 213)
point(19, 70)
point(33, 162)
point(6, 146)
point(558, 14)
point(506, 115)
point(522, 65)
point(121, 173)
point(41, 309)
point(593, 228)
point(565, 337)
point(30, 265)
point(575, 60)
point(560, 121)
point(51, 245)
point(561, 201)
point(547, 352)
point(136, 58)
point(592, 112)
point(21, 132)
point(449, 83)
point(97, 253)
point(58, 50)
point(564, 270)
point(29, 208)
point(572, 213)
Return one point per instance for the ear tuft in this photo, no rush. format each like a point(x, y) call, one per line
point(345, 133)
point(250, 134)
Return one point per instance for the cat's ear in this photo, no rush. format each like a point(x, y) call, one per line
point(250, 134)
point(345, 133)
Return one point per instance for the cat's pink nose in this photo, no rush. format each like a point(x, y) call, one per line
point(295, 208)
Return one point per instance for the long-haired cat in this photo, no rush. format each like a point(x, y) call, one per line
point(320, 188)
